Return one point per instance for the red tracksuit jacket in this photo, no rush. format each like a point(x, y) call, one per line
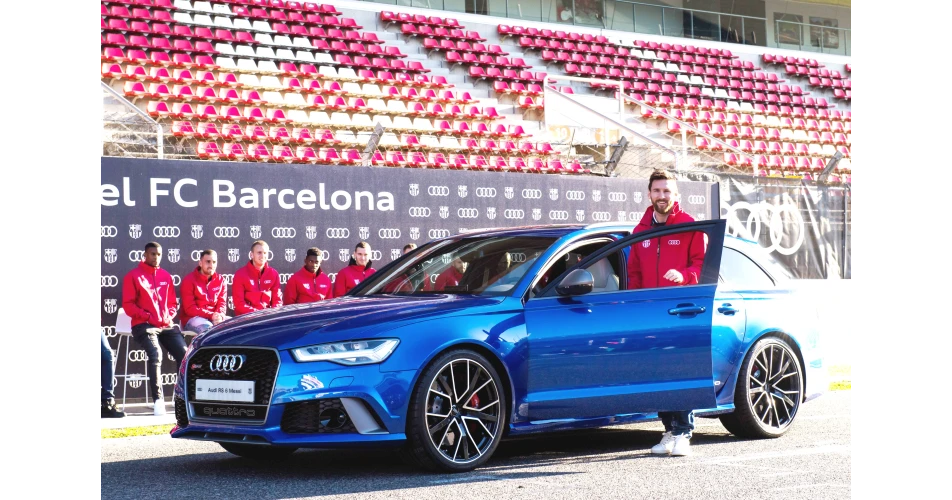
point(202, 296)
point(450, 277)
point(253, 291)
point(351, 276)
point(148, 296)
point(402, 284)
point(649, 260)
point(305, 287)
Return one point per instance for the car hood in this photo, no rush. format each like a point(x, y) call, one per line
point(338, 319)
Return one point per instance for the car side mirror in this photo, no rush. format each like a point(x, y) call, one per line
point(578, 282)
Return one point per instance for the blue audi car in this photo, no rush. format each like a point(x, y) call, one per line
point(500, 332)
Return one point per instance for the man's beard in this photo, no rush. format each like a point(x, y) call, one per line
point(667, 209)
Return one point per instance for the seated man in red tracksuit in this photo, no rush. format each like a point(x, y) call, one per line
point(451, 276)
point(148, 297)
point(204, 295)
point(672, 260)
point(310, 284)
point(412, 280)
point(256, 285)
point(358, 269)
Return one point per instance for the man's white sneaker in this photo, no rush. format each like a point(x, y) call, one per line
point(682, 446)
point(159, 407)
point(665, 446)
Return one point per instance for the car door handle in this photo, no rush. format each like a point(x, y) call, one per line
point(686, 310)
point(726, 309)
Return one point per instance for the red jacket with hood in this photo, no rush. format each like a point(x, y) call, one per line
point(148, 296)
point(202, 296)
point(450, 278)
point(305, 287)
point(253, 291)
point(649, 260)
point(351, 276)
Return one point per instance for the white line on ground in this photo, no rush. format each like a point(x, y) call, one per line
point(800, 486)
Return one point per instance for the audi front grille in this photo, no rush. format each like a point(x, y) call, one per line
point(259, 365)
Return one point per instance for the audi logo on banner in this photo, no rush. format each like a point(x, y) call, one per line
point(419, 212)
point(517, 257)
point(511, 213)
point(376, 255)
point(438, 233)
point(438, 191)
point(467, 213)
point(108, 232)
point(332, 276)
point(388, 233)
point(135, 231)
point(226, 232)
point(110, 255)
point(136, 255)
point(575, 195)
point(284, 277)
point(226, 363)
point(166, 232)
point(532, 194)
point(108, 281)
point(196, 255)
point(139, 355)
point(228, 278)
point(283, 232)
point(617, 196)
point(337, 232)
point(485, 192)
point(267, 258)
point(169, 378)
point(601, 216)
point(109, 331)
point(558, 215)
point(176, 280)
point(696, 199)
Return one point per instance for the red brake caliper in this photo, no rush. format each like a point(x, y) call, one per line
point(474, 402)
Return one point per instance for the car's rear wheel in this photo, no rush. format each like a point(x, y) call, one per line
point(457, 413)
point(769, 391)
point(258, 451)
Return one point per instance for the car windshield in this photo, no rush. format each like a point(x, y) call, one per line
point(483, 266)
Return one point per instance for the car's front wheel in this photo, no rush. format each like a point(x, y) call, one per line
point(769, 391)
point(457, 413)
point(258, 451)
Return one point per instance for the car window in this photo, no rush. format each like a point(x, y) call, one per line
point(741, 272)
point(565, 260)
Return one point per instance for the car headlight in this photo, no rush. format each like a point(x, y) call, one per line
point(355, 352)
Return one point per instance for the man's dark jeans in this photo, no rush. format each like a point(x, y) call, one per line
point(678, 422)
point(108, 370)
point(152, 339)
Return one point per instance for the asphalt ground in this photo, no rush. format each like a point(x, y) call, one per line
point(812, 461)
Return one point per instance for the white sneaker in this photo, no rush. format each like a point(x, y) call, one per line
point(665, 446)
point(159, 407)
point(682, 446)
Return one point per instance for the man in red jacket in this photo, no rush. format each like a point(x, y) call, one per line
point(413, 280)
point(452, 276)
point(356, 271)
point(310, 284)
point(203, 295)
point(256, 286)
point(672, 260)
point(148, 297)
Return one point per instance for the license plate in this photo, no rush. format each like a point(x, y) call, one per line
point(225, 390)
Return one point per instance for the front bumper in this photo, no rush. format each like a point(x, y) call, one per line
point(374, 402)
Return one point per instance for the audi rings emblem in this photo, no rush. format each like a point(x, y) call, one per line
point(674, 242)
point(283, 232)
point(601, 216)
point(558, 215)
point(419, 211)
point(108, 281)
point(617, 196)
point(337, 232)
point(284, 277)
point(575, 195)
point(467, 213)
point(108, 232)
point(438, 233)
point(109, 331)
point(517, 257)
point(376, 255)
point(136, 255)
point(696, 199)
point(532, 194)
point(169, 378)
point(511, 213)
point(177, 280)
point(196, 255)
point(485, 192)
point(139, 355)
point(228, 279)
point(438, 191)
point(388, 233)
point(783, 224)
point(226, 363)
point(227, 232)
point(166, 231)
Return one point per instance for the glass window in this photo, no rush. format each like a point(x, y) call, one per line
point(526, 9)
point(564, 262)
point(741, 272)
point(471, 266)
